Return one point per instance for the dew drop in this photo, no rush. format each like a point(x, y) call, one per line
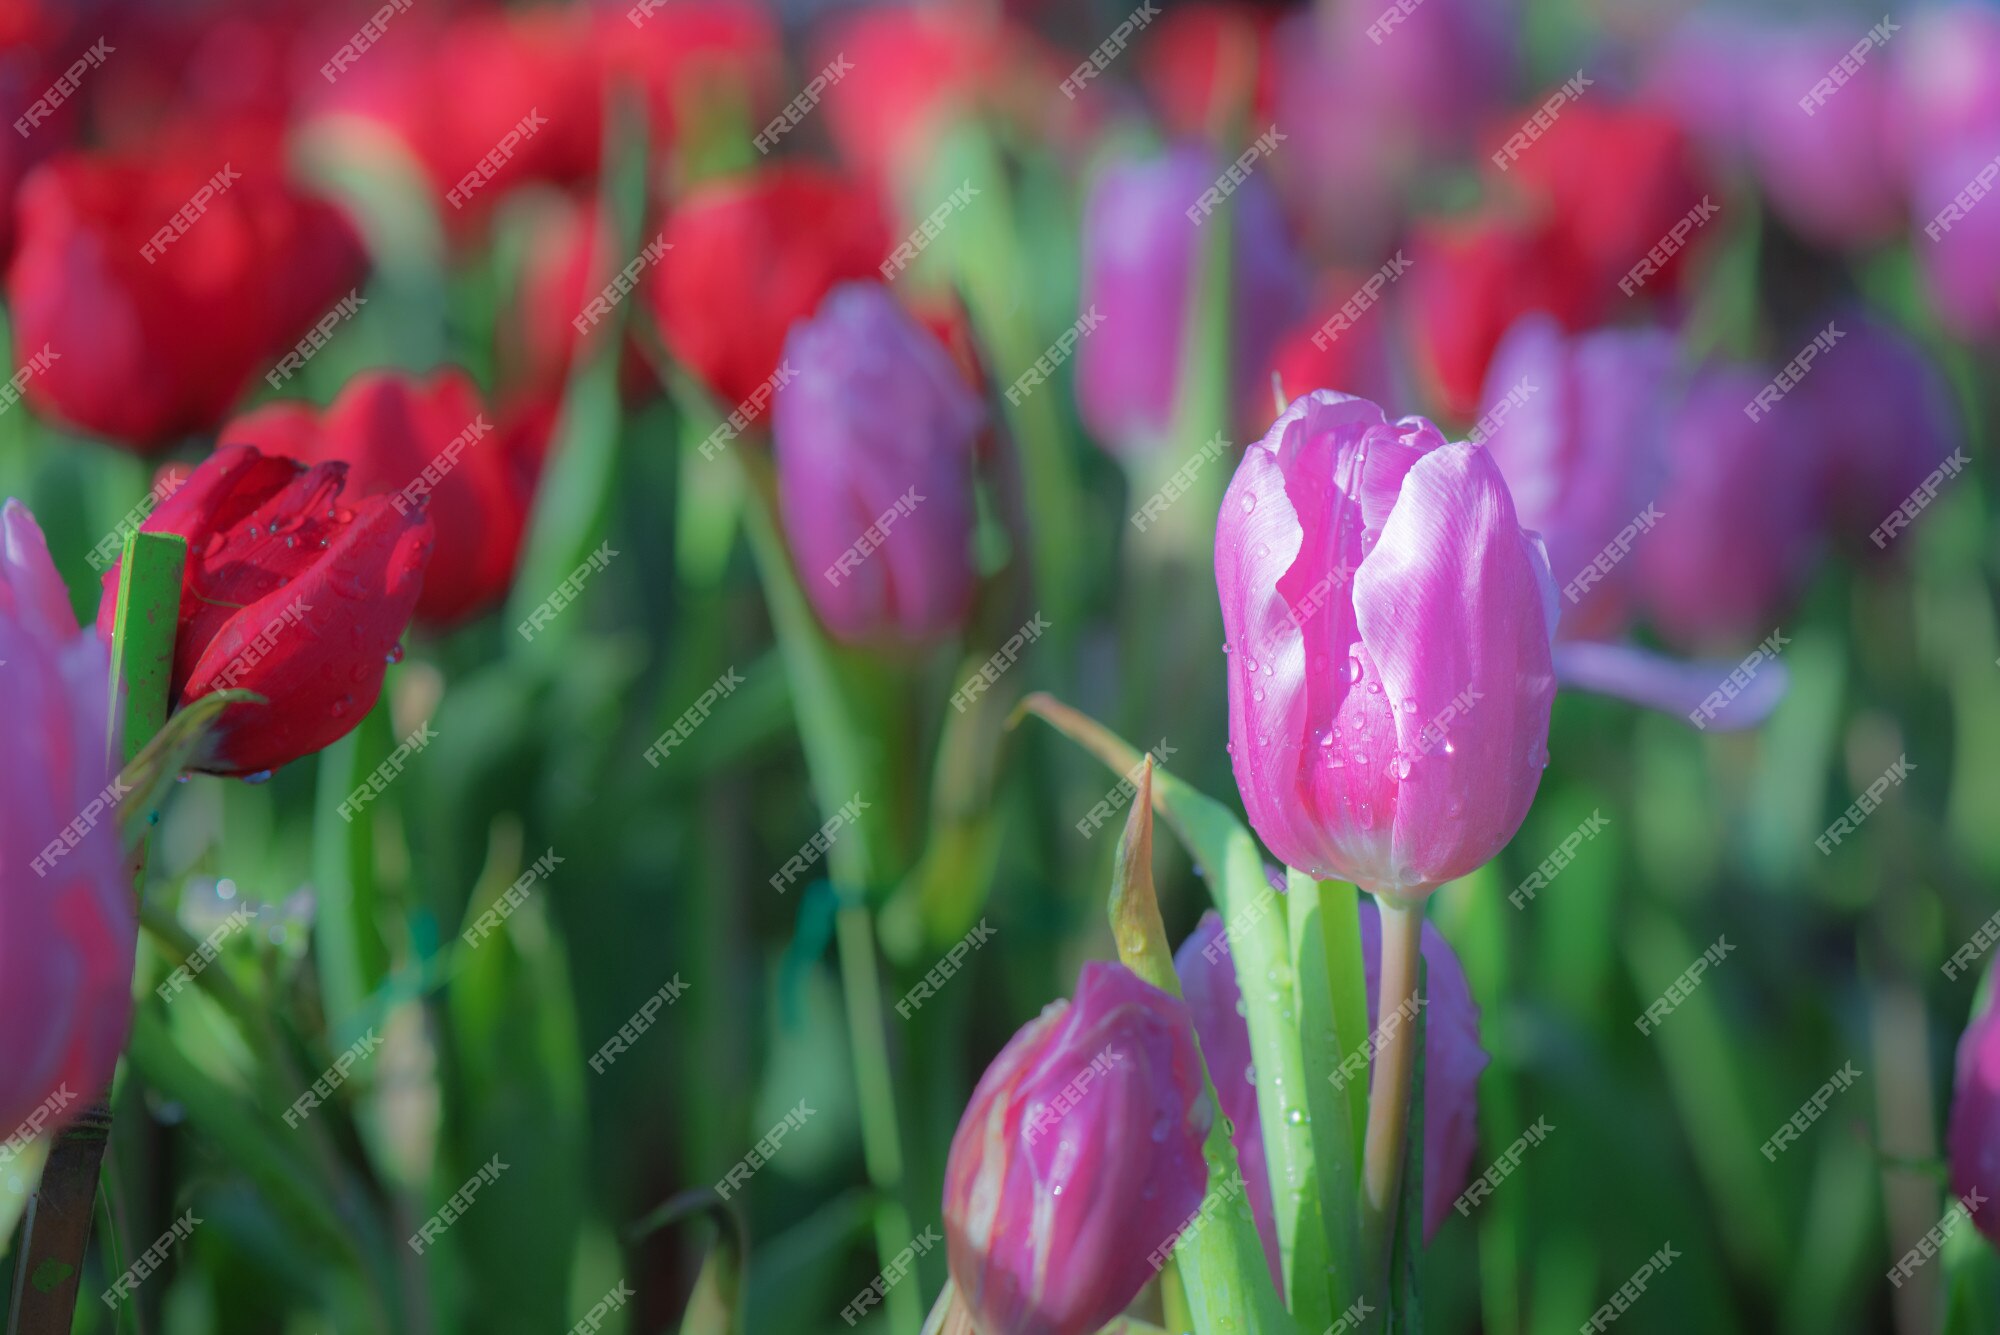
point(1366, 816)
point(1409, 704)
point(1295, 1117)
point(1249, 502)
point(1353, 667)
point(261, 776)
point(1250, 1073)
point(1257, 694)
point(1402, 767)
point(1374, 688)
point(1242, 1005)
point(395, 654)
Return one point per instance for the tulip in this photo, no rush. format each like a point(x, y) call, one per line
point(289, 592)
point(1139, 261)
point(1947, 78)
point(874, 439)
point(1472, 278)
point(1972, 1138)
point(1960, 247)
point(525, 104)
point(1079, 1156)
point(430, 445)
point(1388, 623)
point(1453, 1060)
point(1196, 58)
point(1739, 509)
point(104, 290)
point(749, 257)
point(67, 927)
point(692, 56)
point(1575, 428)
point(1880, 431)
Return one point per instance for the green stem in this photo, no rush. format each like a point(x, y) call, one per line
point(1389, 1089)
point(881, 1142)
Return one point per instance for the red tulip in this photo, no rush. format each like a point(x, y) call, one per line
point(570, 259)
point(153, 288)
point(749, 257)
point(1472, 279)
point(67, 926)
point(290, 592)
point(425, 445)
point(690, 56)
point(486, 102)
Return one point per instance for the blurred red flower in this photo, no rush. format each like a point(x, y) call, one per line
point(429, 445)
point(690, 56)
point(290, 592)
point(750, 256)
point(149, 287)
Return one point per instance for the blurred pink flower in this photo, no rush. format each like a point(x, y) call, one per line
point(67, 926)
point(1389, 623)
point(1972, 1140)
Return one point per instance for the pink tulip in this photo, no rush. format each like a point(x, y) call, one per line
point(1079, 1155)
point(1972, 1140)
point(67, 927)
point(1453, 1060)
point(1388, 622)
point(874, 436)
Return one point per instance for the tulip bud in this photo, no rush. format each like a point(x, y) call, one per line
point(67, 929)
point(110, 277)
point(1388, 623)
point(1739, 511)
point(1140, 252)
point(1972, 1139)
point(1078, 1157)
point(426, 445)
point(874, 441)
point(1575, 428)
point(1453, 1060)
point(289, 592)
point(1883, 430)
point(751, 256)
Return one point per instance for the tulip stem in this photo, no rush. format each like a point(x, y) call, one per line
point(1389, 1086)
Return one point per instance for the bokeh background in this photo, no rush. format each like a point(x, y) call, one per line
point(1383, 197)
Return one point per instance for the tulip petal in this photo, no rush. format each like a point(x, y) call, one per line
point(1451, 607)
point(1670, 685)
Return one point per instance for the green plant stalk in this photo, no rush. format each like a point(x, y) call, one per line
point(843, 764)
point(1389, 1090)
point(1333, 1020)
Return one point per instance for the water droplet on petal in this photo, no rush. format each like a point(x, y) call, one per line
point(1409, 704)
point(1402, 767)
point(395, 654)
point(1250, 1074)
point(1249, 502)
point(261, 776)
point(1353, 667)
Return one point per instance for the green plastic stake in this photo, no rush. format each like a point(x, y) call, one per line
point(142, 637)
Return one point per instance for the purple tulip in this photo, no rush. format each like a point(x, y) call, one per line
point(1139, 253)
point(1079, 1155)
point(67, 926)
point(1453, 1060)
point(1959, 247)
point(1828, 155)
point(1578, 442)
point(874, 437)
point(1880, 429)
point(1739, 522)
point(1388, 622)
point(1972, 1139)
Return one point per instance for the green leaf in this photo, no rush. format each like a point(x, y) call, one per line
point(1134, 911)
point(143, 633)
point(151, 773)
point(347, 948)
point(1333, 1021)
point(1227, 1281)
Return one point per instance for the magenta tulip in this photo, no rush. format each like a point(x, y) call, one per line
point(67, 926)
point(1389, 623)
point(1972, 1140)
point(1576, 433)
point(1140, 247)
point(1958, 247)
point(874, 435)
point(1078, 1157)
